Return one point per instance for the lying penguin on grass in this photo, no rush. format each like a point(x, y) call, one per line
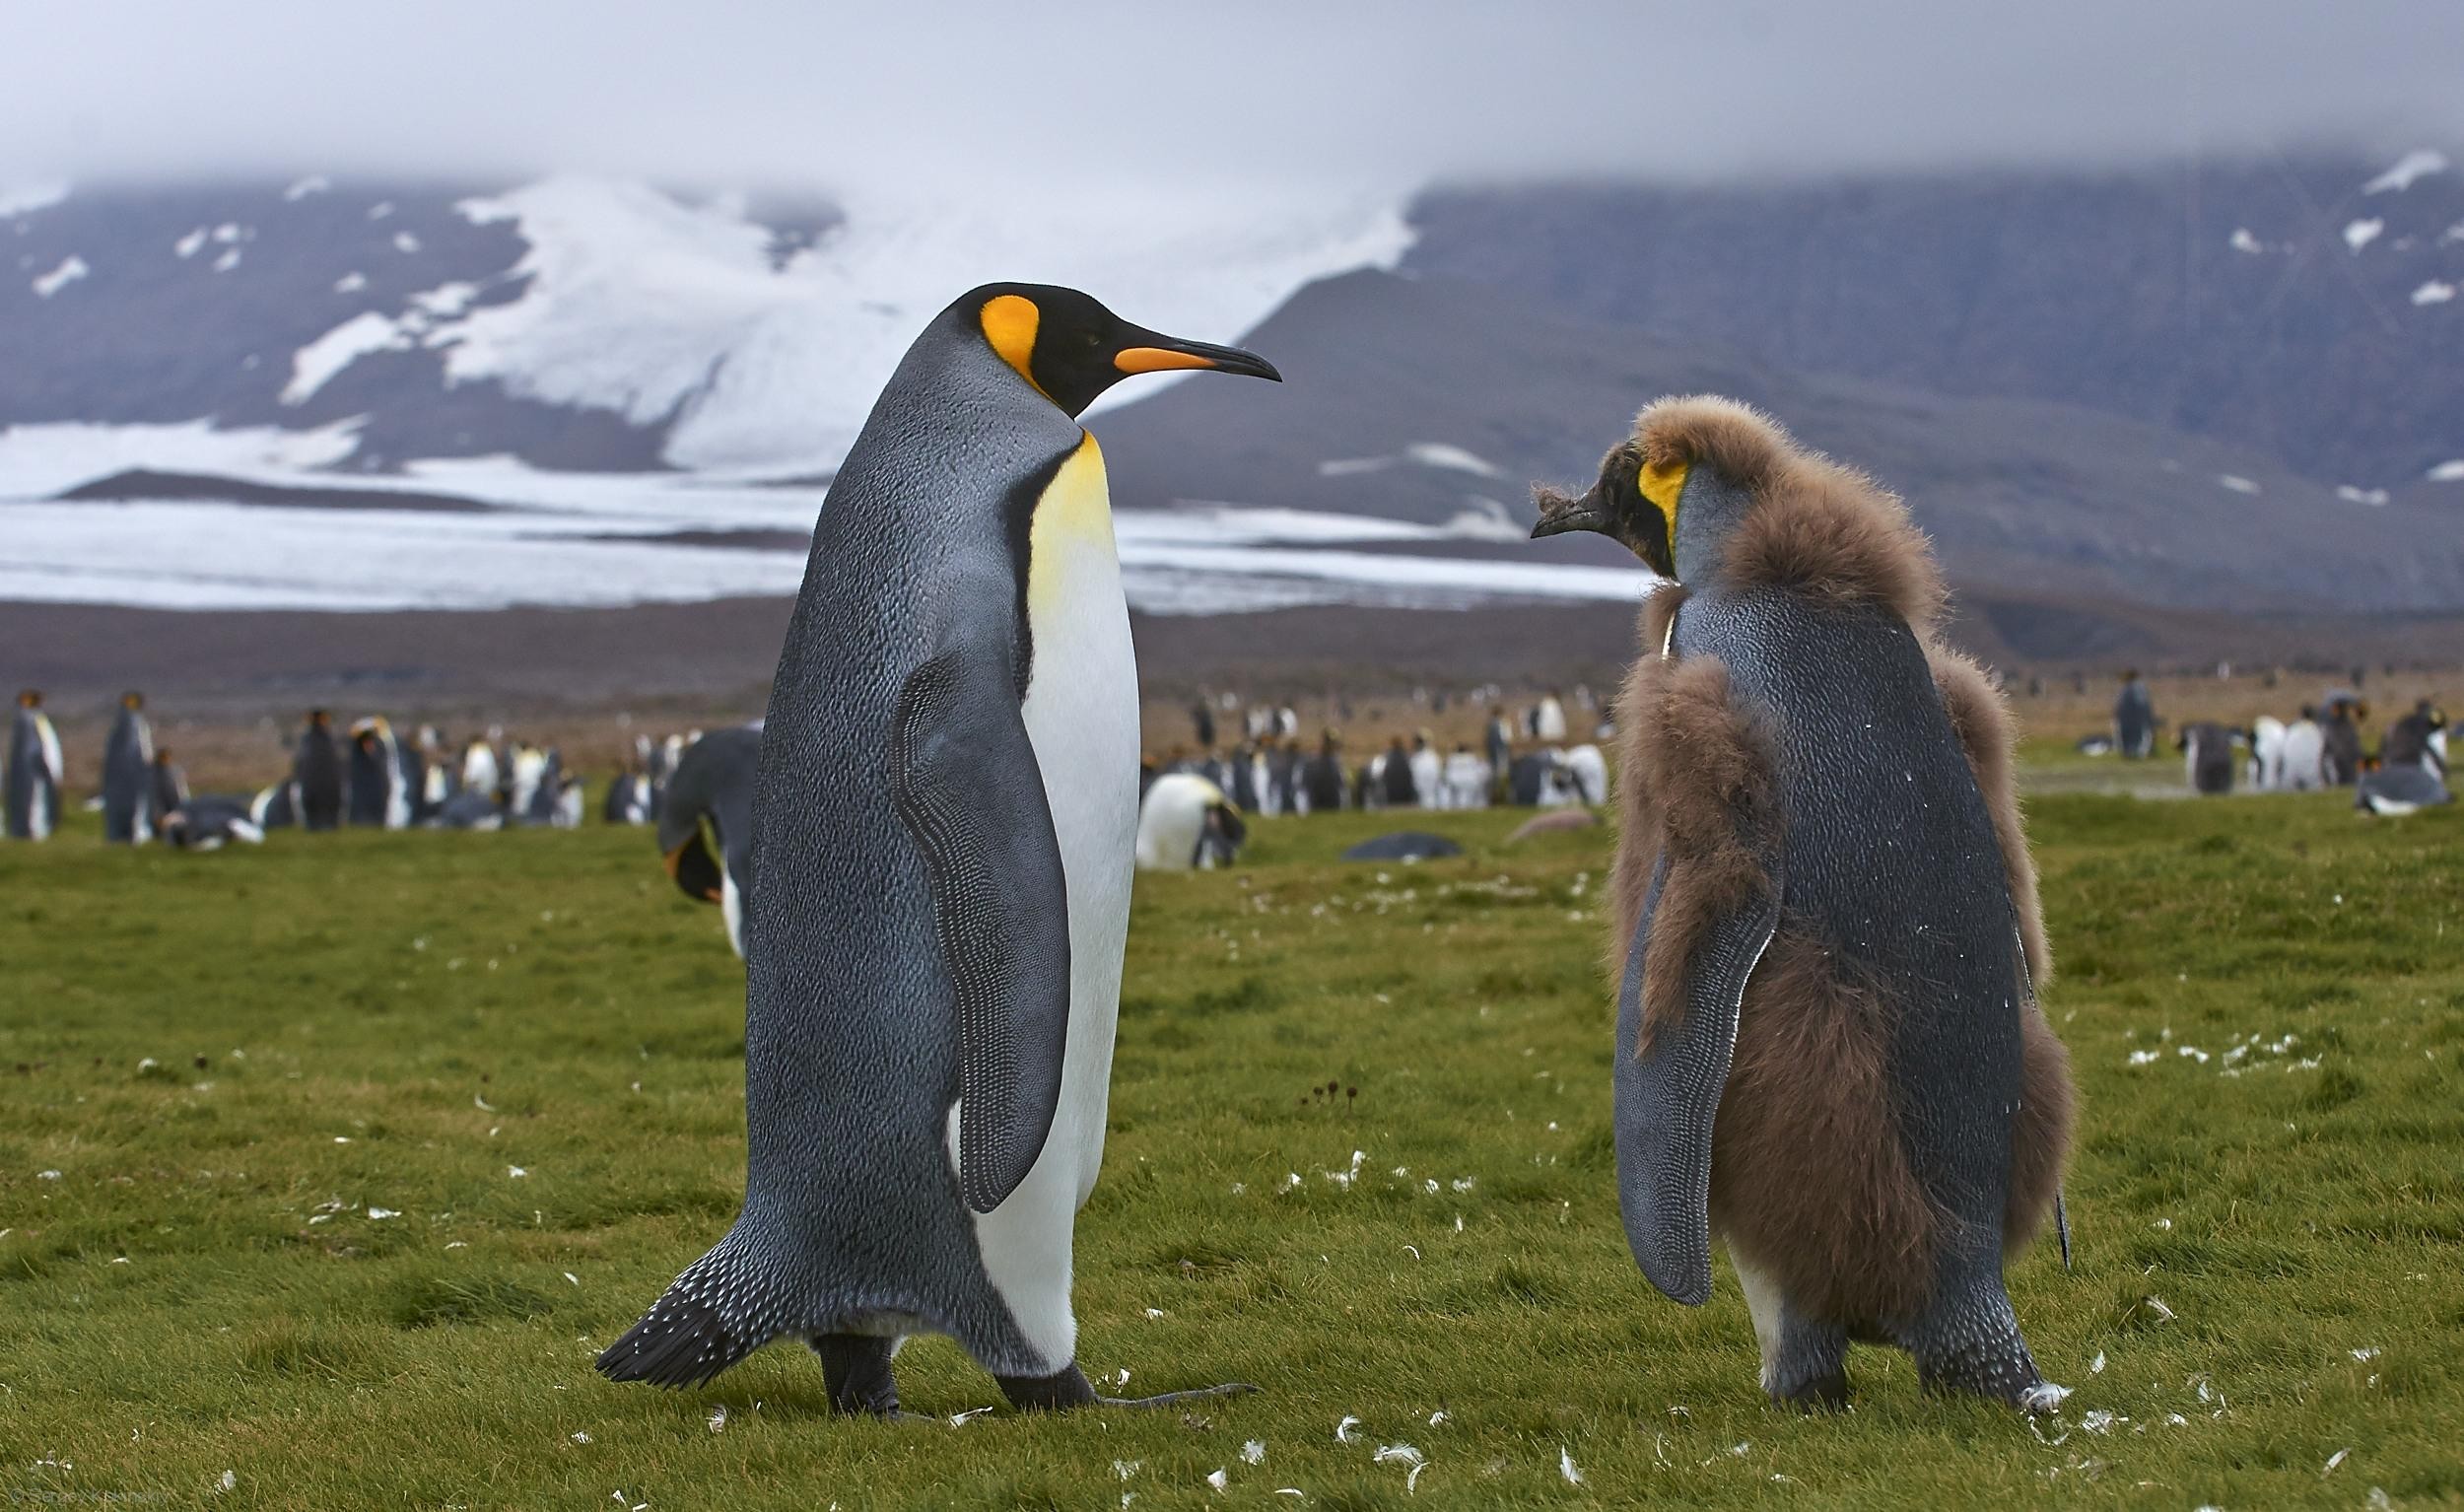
point(944, 822)
point(1831, 1052)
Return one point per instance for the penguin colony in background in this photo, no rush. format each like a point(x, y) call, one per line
point(373, 778)
point(943, 831)
point(1830, 1053)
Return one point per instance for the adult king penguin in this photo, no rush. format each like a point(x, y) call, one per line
point(705, 825)
point(129, 813)
point(34, 772)
point(1825, 930)
point(943, 827)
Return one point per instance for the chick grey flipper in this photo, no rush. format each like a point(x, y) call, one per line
point(993, 861)
point(1667, 1097)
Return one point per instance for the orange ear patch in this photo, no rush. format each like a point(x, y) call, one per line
point(1009, 323)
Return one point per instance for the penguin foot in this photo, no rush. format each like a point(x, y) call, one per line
point(1815, 1393)
point(1969, 1341)
point(857, 1369)
point(1066, 1388)
point(2000, 1370)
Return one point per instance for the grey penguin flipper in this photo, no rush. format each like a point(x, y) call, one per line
point(2061, 1214)
point(965, 782)
point(1667, 1096)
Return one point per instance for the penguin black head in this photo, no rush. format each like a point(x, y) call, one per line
point(31, 698)
point(1634, 502)
point(132, 701)
point(1071, 349)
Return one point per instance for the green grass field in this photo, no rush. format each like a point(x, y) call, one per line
point(325, 1169)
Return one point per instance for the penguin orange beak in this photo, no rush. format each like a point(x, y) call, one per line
point(1167, 354)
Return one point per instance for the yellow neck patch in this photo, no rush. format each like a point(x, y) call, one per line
point(1009, 322)
point(1661, 483)
point(1072, 525)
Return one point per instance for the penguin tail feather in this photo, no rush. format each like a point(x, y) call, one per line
point(696, 1329)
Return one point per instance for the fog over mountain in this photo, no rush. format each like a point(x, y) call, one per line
point(976, 96)
point(2149, 306)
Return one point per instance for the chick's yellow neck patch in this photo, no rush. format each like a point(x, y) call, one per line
point(1661, 483)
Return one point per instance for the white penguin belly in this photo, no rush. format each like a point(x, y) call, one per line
point(1082, 716)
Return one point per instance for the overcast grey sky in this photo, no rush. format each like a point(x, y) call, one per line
point(793, 92)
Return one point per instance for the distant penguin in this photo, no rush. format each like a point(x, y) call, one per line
point(1427, 772)
point(210, 821)
point(1287, 723)
point(2208, 757)
point(528, 768)
point(379, 797)
point(34, 772)
point(1531, 781)
point(423, 788)
point(480, 772)
point(1825, 924)
point(1246, 788)
point(2339, 732)
point(2133, 718)
point(1187, 823)
point(2390, 792)
point(1396, 785)
point(1587, 773)
point(1500, 743)
point(1467, 780)
point(128, 808)
point(2416, 739)
point(1548, 720)
point(706, 824)
point(627, 799)
point(1289, 782)
point(276, 807)
point(167, 786)
point(2266, 753)
point(944, 828)
point(318, 773)
point(2304, 759)
point(471, 808)
point(1322, 780)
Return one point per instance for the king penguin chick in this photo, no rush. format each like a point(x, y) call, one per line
point(943, 828)
point(705, 825)
point(1825, 930)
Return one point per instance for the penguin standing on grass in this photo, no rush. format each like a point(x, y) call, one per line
point(130, 815)
point(705, 825)
point(167, 788)
point(381, 795)
point(1825, 930)
point(34, 772)
point(317, 774)
point(943, 831)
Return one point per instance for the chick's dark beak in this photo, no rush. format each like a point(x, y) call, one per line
point(1155, 352)
point(1563, 511)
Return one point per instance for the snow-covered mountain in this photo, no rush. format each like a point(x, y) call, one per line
point(2304, 307)
point(2215, 386)
point(584, 323)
